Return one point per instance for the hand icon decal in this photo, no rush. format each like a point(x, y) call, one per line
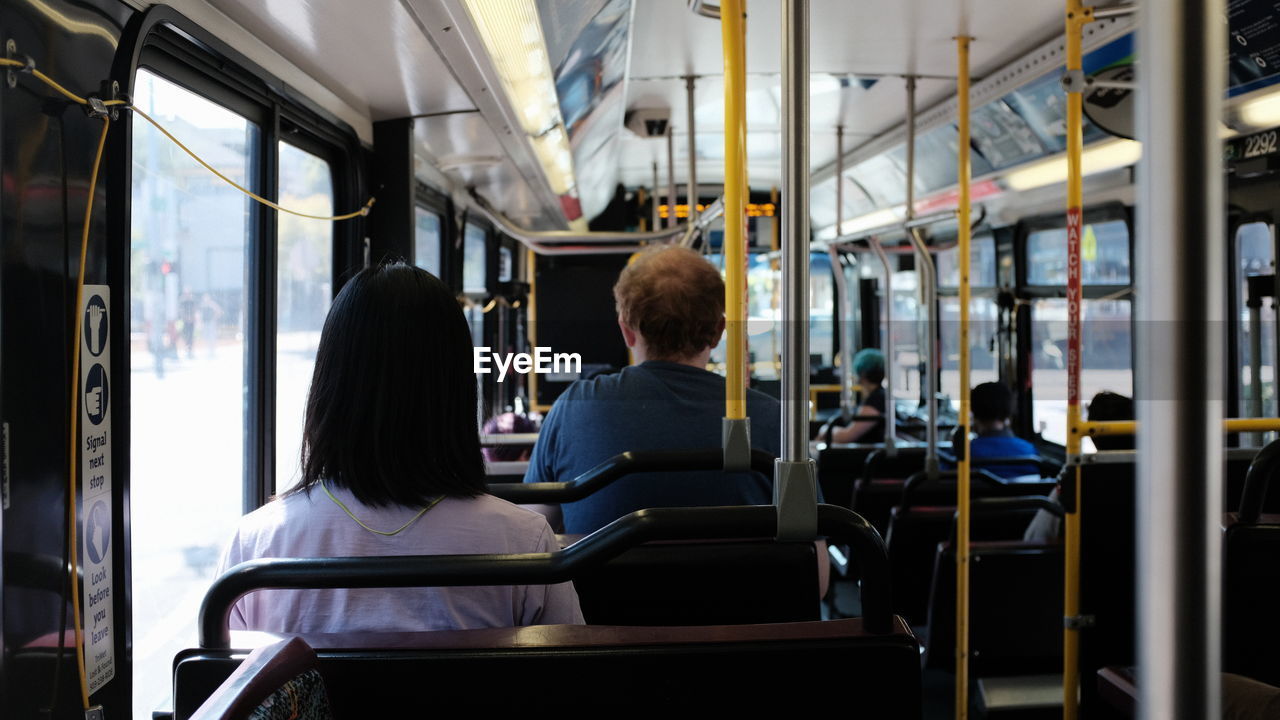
point(93, 401)
point(96, 314)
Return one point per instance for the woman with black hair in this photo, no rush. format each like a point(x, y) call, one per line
point(391, 465)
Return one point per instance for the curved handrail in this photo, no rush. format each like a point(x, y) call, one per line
point(746, 521)
point(1265, 465)
point(995, 505)
point(918, 479)
point(619, 466)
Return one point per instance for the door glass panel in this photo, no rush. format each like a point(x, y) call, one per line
point(1255, 255)
point(189, 241)
point(1106, 359)
point(305, 272)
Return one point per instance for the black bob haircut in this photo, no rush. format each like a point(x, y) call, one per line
point(991, 401)
point(391, 415)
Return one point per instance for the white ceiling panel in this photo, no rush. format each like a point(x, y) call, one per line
point(868, 40)
point(370, 53)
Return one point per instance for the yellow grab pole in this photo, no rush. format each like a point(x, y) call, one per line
point(1077, 16)
point(735, 251)
point(1129, 427)
point(962, 467)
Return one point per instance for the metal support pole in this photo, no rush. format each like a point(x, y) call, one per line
point(962, 466)
point(839, 180)
point(692, 192)
point(795, 476)
point(846, 335)
point(929, 295)
point(657, 196)
point(1255, 363)
point(671, 177)
point(890, 406)
point(735, 429)
point(928, 291)
point(1179, 313)
point(846, 302)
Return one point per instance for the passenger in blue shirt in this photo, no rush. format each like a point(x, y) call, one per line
point(992, 404)
point(671, 313)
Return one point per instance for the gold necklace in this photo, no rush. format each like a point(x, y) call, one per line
point(397, 531)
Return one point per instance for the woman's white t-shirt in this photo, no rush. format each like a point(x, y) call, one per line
point(303, 525)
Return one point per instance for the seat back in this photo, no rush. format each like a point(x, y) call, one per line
point(912, 542)
point(703, 583)
point(839, 467)
point(1251, 575)
point(544, 670)
point(276, 682)
point(1015, 609)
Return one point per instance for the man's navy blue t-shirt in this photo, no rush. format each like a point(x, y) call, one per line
point(651, 406)
point(1001, 444)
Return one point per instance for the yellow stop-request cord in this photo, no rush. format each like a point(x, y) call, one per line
point(97, 106)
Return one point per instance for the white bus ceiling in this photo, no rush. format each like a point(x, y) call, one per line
point(388, 59)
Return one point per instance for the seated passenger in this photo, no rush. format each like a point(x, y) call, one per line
point(670, 303)
point(508, 423)
point(391, 465)
point(868, 366)
point(991, 404)
point(1045, 527)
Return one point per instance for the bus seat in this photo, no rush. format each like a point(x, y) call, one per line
point(1108, 552)
point(912, 542)
point(838, 467)
point(1015, 623)
point(549, 669)
point(276, 682)
point(1251, 576)
point(702, 583)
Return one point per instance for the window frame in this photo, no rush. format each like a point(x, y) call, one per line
point(168, 44)
point(1026, 294)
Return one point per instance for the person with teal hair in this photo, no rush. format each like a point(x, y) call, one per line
point(868, 425)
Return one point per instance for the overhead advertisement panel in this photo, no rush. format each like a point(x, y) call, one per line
point(1254, 47)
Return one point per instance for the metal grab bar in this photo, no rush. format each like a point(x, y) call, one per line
point(996, 505)
point(749, 521)
point(621, 465)
point(509, 439)
point(917, 480)
point(538, 238)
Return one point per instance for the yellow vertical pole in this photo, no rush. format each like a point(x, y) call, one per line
point(962, 466)
point(1077, 16)
point(735, 251)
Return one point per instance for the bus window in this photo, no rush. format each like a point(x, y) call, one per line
point(983, 318)
point(426, 240)
point(983, 361)
point(907, 335)
point(822, 307)
point(764, 309)
point(304, 287)
point(1255, 255)
point(189, 239)
point(1106, 359)
point(1104, 255)
point(982, 264)
point(474, 259)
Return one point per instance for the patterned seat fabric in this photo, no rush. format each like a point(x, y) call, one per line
point(302, 698)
